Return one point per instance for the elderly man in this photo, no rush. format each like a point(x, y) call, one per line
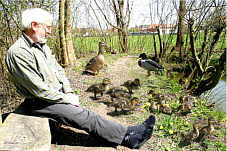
point(41, 80)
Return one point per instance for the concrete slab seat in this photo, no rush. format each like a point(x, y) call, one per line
point(25, 133)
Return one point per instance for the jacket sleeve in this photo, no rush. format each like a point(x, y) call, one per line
point(22, 66)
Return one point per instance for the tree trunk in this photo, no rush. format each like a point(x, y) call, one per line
point(211, 82)
point(155, 47)
point(64, 58)
point(68, 35)
point(160, 42)
point(180, 28)
point(194, 53)
point(121, 24)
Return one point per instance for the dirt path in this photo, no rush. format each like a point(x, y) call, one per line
point(118, 72)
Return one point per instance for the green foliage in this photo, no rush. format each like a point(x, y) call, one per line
point(220, 146)
point(171, 125)
point(175, 86)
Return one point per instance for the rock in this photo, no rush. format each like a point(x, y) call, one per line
point(25, 133)
point(0, 117)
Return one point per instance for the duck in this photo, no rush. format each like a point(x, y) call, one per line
point(191, 136)
point(96, 63)
point(190, 99)
point(206, 131)
point(124, 102)
point(165, 108)
point(132, 85)
point(99, 87)
point(185, 106)
point(149, 56)
point(149, 64)
point(154, 107)
point(117, 92)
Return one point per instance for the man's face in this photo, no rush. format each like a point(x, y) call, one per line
point(41, 32)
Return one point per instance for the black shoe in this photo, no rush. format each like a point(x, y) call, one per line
point(136, 136)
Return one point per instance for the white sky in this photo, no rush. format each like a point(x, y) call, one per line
point(140, 13)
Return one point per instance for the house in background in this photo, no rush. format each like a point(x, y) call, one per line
point(150, 29)
point(164, 29)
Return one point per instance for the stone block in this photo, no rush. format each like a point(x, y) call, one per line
point(25, 133)
point(0, 113)
point(0, 117)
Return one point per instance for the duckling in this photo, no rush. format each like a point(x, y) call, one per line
point(154, 107)
point(165, 108)
point(132, 85)
point(158, 97)
point(149, 64)
point(169, 74)
point(206, 131)
point(99, 88)
point(185, 106)
point(124, 102)
point(190, 99)
point(191, 136)
point(117, 92)
point(96, 63)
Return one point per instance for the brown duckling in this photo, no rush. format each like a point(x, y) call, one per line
point(154, 107)
point(165, 108)
point(117, 92)
point(185, 106)
point(99, 87)
point(124, 102)
point(96, 63)
point(191, 136)
point(132, 85)
point(190, 99)
point(206, 131)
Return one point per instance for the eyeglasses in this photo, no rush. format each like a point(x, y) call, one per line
point(46, 27)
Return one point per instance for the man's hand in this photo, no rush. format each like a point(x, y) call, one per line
point(71, 98)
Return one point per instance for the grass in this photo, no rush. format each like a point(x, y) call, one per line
point(136, 44)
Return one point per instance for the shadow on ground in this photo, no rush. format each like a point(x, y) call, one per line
point(63, 135)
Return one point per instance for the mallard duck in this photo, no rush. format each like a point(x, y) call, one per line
point(99, 87)
point(191, 136)
point(124, 102)
point(149, 56)
point(206, 130)
point(149, 64)
point(132, 85)
point(96, 63)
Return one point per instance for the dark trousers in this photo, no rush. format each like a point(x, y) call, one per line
point(77, 117)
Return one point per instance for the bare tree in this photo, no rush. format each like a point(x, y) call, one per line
point(161, 15)
point(180, 27)
point(122, 17)
point(205, 74)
